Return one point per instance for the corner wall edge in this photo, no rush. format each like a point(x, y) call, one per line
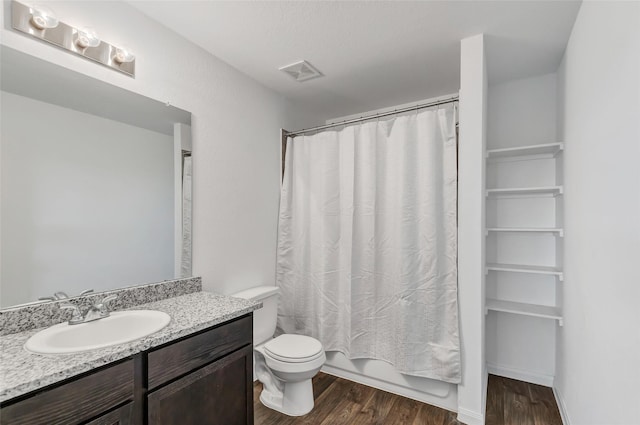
point(561, 407)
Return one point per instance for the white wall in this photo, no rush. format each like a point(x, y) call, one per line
point(520, 113)
point(235, 134)
point(471, 177)
point(598, 369)
point(87, 202)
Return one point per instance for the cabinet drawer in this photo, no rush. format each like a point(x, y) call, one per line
point(184, 356)
point(75, 401)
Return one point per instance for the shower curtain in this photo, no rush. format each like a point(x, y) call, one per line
point(367, 242)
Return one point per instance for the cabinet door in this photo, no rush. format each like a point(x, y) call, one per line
point(120, 416)
point(220, 393)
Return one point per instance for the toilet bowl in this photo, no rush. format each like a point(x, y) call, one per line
point(292, 360)
point(286, 364)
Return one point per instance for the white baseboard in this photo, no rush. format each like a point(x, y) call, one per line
point(562, 407)
point(469, 417)
point(521, 375)
point(391, 388)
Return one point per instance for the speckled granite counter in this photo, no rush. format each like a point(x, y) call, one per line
point(22, 372)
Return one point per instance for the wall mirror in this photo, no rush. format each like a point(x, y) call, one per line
point(95, 184)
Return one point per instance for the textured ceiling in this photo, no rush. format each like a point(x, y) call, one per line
point(373, 53)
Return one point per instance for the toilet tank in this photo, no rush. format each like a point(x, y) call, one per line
point(264, 319)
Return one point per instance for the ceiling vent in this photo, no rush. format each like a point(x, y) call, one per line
point(301, 71)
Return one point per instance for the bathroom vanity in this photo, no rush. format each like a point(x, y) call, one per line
point(198, 370)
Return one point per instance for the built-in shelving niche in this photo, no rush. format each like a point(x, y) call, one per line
point(515, 204)
point(524, 230)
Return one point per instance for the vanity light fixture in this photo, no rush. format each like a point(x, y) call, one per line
point(124, 55)
point(41, 22)
point(42, 17)
point(87, 37)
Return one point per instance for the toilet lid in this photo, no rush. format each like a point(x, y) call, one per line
point(294, 348)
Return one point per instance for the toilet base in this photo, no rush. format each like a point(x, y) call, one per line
point(297, 399)
point(286, 388)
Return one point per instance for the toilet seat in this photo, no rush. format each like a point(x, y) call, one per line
point(290, 348)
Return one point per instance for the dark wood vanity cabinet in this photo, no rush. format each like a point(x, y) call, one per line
point(205, 379)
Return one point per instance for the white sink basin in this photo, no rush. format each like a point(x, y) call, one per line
point(118, 328)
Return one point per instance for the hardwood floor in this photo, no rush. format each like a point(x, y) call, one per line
point(516, 402)
point(342, 402)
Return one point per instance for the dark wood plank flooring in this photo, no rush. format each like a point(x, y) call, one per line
point(516, 402)
point(342, 402)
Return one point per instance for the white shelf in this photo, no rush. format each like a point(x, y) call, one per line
point(549, 150)
point(521, 268)
point(558, 231)
point(525, 191)
point(534, 310)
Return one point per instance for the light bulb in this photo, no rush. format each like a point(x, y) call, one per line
point(42, 17)
point(123, 55)
point(87, 37)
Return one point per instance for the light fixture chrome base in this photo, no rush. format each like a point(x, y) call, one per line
point(65, 36)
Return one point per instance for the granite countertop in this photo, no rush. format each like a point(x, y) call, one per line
point(22, 372)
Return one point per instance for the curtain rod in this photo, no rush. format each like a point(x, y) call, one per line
point(369, 117)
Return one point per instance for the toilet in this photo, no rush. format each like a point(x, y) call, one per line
point(285, 364)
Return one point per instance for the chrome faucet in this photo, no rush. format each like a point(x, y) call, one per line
point(99, 310)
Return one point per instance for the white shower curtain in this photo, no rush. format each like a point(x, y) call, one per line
point(367, 242)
